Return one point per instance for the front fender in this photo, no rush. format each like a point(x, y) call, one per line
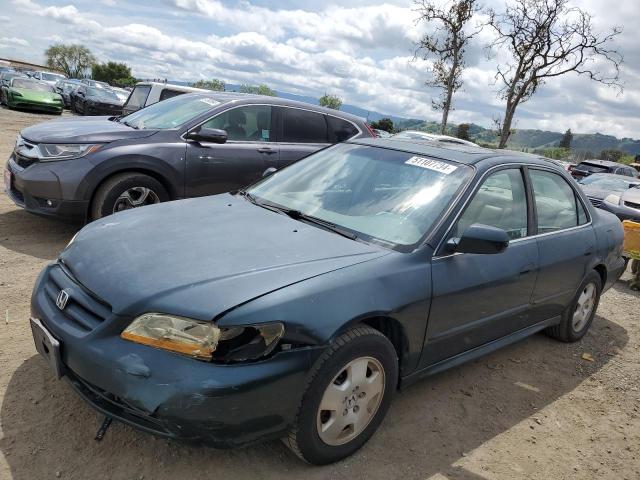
point(315, 311)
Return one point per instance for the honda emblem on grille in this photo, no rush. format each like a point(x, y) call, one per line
point(62, 299)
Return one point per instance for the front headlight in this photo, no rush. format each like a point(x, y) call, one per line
point(614, 199)
point(48, 152)
point(203, 340)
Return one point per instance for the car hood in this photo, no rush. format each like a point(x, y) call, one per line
point(632, 195)
point(596, 192)
point(81, 130)
point(35, 95)
point(201, 257)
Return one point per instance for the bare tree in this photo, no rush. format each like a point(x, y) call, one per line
point(547, 39)
point(447, 44)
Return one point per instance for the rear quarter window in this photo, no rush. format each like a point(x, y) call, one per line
point(168, 93)
point(340, 130)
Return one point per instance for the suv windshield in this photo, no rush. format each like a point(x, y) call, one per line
point(51, 76)
point(385, 195)
point(30, 85)
point(170, 113)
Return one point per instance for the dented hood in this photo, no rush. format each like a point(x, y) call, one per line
point(201, 257)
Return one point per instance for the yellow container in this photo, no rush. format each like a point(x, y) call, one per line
point(631, 238)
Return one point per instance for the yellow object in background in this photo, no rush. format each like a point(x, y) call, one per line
point(631, 238)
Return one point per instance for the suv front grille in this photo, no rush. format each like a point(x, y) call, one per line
point(83, 311)
point(632, 205)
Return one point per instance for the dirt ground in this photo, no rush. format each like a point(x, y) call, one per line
point(534, 410)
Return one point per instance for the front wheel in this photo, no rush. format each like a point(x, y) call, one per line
point(126, 191)
point(578, 317)
point(350, 391)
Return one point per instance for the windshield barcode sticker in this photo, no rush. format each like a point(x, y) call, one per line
point(431, 164)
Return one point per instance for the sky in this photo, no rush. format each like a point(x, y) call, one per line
point(361, 51)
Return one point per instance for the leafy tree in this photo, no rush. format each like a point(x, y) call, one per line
point(463, 131)
point(258, 90)
point(118, 74)
point(611, 154)
point(385, 124)
point(446, 44)
point(565, 142)
point(213, 84)
point(548, 39)
point(72, 60)
point(330, 101)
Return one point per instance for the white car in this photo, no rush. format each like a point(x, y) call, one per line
point(419, 135)
point(48, 77)
point(148, 93)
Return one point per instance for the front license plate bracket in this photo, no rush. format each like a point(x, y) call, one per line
point(47, 346)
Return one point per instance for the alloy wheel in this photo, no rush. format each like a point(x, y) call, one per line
point(350, 401)
point(135, 197)
point(584, 307)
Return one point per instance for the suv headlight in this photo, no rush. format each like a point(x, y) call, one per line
point(613, 199)
point(48, 152)
point(204, 340)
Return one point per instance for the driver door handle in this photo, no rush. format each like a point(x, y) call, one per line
point(267, 150)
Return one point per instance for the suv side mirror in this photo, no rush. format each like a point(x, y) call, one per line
point(203, 134)
point(269, 171)
point(478, 238)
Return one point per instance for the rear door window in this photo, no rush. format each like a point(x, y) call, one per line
point(138, 97)
point(303, 126)
point(340, 130)
point(555, 201)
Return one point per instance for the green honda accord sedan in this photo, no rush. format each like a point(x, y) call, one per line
point(33, 95)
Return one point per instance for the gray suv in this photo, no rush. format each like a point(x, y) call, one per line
point(188, 146)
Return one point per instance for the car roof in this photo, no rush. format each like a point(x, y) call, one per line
point(227, 97)
point(467, 154)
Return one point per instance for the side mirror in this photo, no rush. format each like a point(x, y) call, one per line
point(203, 134)
point(478, 238)
point(269, 171)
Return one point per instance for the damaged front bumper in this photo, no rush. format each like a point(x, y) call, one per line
point(168, 394)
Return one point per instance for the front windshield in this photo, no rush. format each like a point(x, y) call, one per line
point(31, 85)
point(67, 86)
point(102, 94)
point(170, 113)
point(51, 76)
point(608, 182)
point(387, 195)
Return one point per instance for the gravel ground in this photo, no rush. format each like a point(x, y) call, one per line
point(534, 410)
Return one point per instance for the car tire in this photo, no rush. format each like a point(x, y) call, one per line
point(578, 316)
point(358, 416)
point(140, 190)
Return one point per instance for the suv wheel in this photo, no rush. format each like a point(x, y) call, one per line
point(577, 318)
point(349, 393)
point(126, 191)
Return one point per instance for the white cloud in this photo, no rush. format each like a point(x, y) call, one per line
point(360, 51)
point(14, 41)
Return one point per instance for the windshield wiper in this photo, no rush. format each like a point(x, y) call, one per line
point(298, 215)
point(130, 125)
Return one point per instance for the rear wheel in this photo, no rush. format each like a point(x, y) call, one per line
point(126, 191)
point(578, 317)
point(348, 396)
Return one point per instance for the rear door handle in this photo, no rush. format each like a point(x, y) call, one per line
point(267, 150)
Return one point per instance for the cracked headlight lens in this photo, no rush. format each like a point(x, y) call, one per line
point(176, 334)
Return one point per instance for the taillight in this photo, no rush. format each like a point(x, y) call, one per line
point(371, 130)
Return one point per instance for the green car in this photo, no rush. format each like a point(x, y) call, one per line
point(33, 95)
